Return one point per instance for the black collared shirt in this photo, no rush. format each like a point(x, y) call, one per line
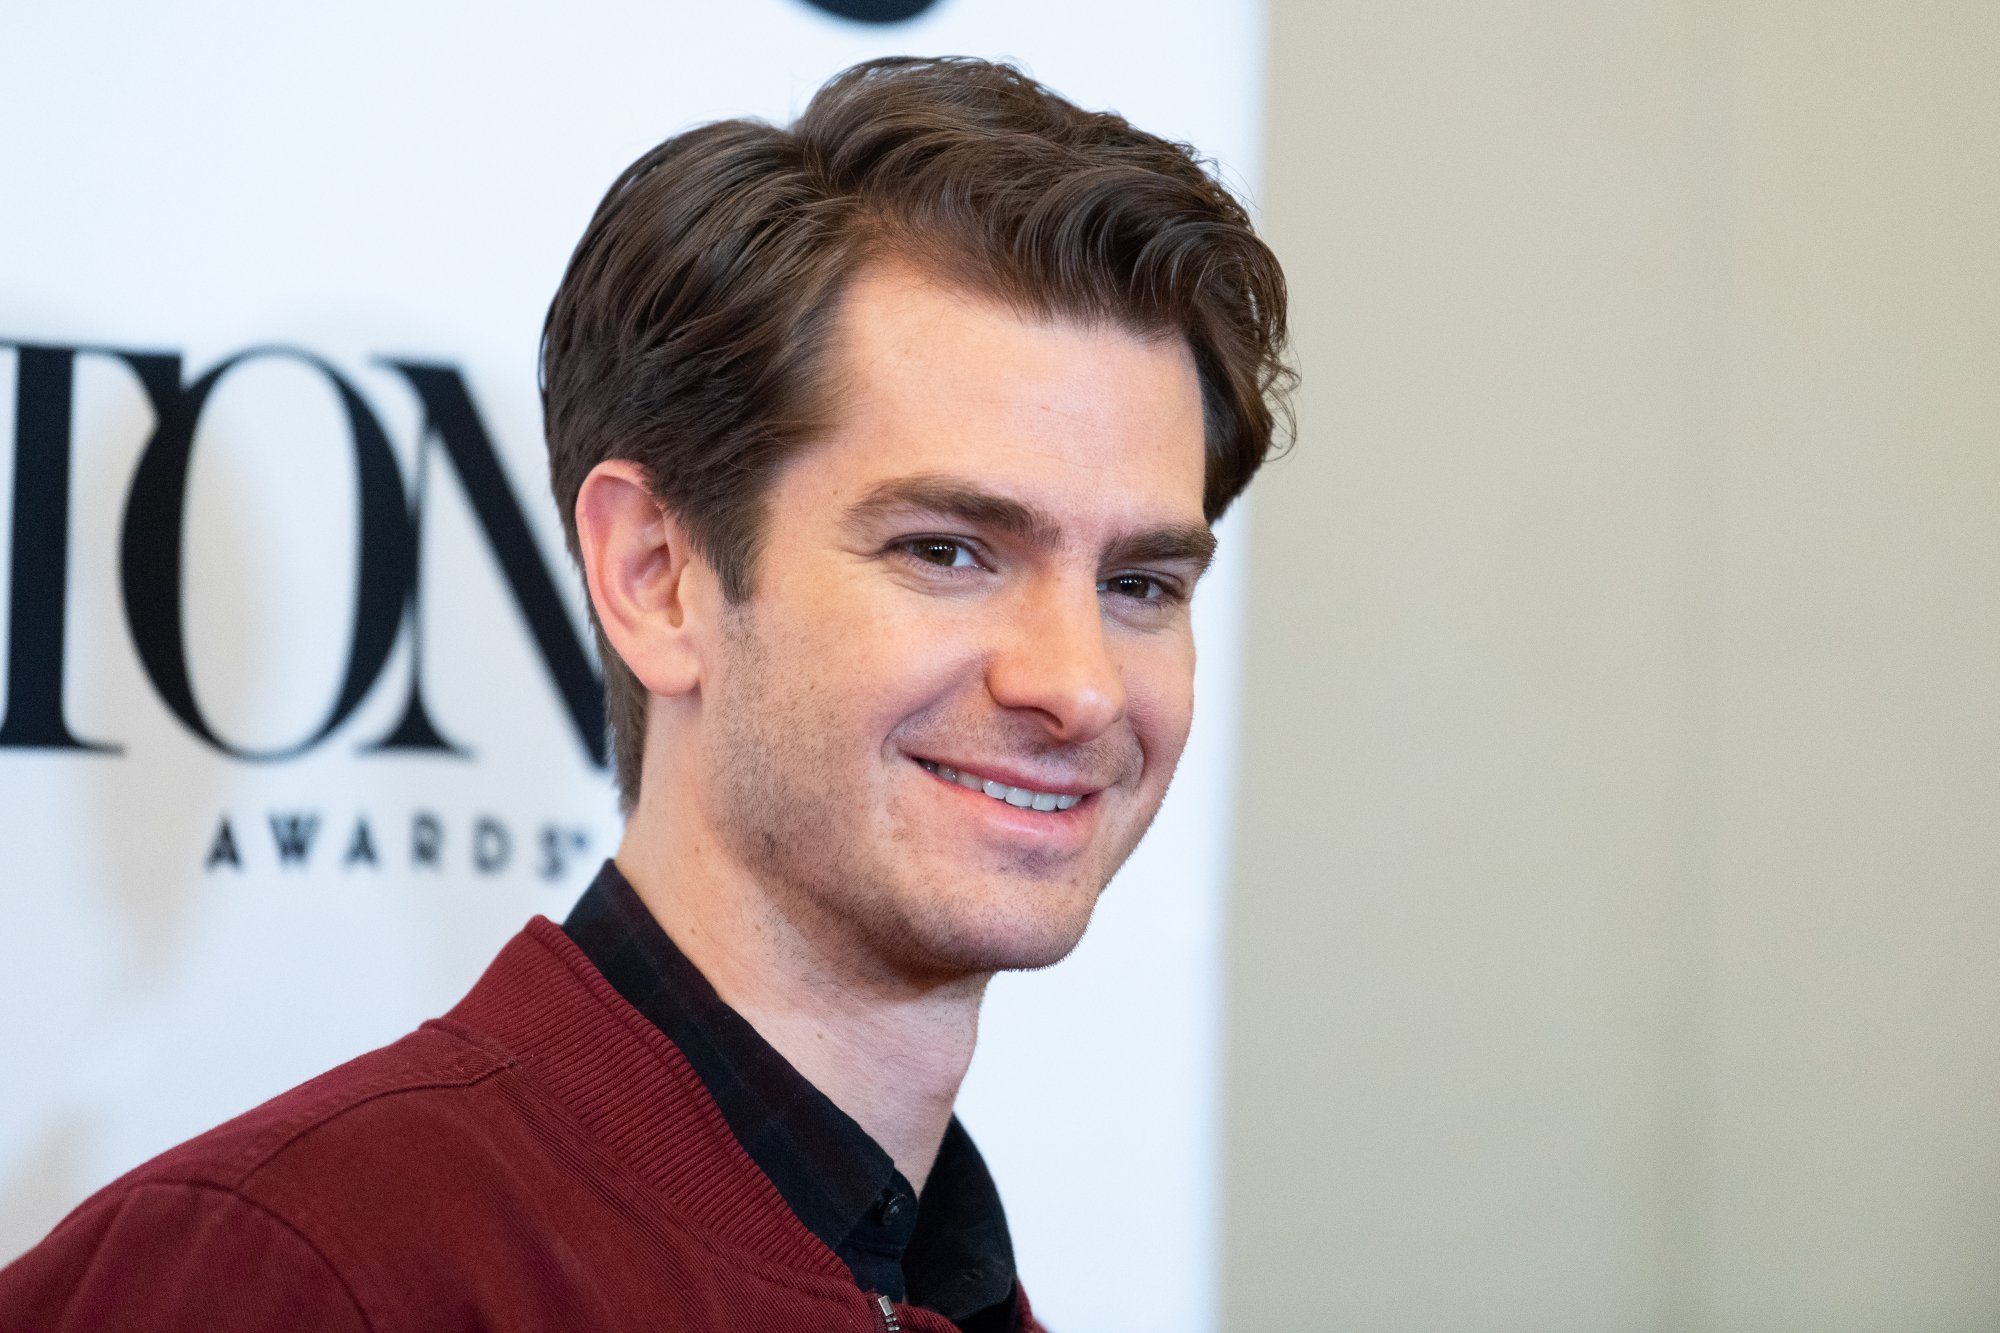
point(948, 1251)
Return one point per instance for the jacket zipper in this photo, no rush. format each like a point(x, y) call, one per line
point(890, 1324)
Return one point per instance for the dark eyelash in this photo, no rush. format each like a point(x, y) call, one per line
point(912, 546)
point(1169, 592)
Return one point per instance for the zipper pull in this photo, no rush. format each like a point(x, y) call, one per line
point(890, 1324)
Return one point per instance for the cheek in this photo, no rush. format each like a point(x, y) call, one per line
point(876, 657)
point(1159, 705)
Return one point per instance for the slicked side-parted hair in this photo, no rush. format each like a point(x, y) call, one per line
point(690, 333)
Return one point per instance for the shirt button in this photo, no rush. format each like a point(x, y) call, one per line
point(891, 1208)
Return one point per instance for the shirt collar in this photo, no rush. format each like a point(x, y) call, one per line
point(949, 1252)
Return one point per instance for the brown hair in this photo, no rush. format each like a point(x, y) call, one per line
point(690, 331)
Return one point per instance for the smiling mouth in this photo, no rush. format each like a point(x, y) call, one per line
point(1021, 798)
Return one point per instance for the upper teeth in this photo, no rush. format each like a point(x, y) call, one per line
point(1000, 791)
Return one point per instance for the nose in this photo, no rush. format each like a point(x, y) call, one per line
point(1055, 662)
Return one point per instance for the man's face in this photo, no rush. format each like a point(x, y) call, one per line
point(954, 700)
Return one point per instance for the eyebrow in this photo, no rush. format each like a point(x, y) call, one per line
point(948, 497)
point(1178, 543)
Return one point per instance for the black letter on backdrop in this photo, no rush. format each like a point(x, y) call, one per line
point(414, 730)
point(450, 418)
point(426, 839)
point(874, 11)
point(39, 582)
point(293, 835)
point(361, 847)
point(222, 851)
point(492, 845)
point(153, 543)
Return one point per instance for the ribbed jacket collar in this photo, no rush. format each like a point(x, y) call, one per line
point(544, 1006)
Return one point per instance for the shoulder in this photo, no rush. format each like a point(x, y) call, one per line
point(390, 1109)
point(425, 1075)
point(172, 1255)
point(431, 1076)
point(522, 1159)
point(210, 1235)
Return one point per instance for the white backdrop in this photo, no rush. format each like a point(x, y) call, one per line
point(379, 181)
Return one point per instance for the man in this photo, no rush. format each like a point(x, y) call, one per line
point(889, 446)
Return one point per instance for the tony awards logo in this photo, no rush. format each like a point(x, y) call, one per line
point(387, 605)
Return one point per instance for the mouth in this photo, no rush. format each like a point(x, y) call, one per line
point(1021, 798)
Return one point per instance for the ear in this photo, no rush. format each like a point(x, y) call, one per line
point(644, 578)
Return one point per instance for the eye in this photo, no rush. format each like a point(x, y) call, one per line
point(944, 552)
point(1137, 587)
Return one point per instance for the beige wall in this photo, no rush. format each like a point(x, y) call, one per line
point(1616, 939)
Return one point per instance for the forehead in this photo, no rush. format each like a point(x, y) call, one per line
point(1092, 421)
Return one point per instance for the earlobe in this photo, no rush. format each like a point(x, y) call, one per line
point(637, 563)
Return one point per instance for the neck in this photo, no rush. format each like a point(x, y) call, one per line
point(890, 1050)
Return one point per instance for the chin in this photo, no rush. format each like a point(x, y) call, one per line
point(1017, 930)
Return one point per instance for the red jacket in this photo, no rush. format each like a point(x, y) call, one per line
point(540, 1158)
